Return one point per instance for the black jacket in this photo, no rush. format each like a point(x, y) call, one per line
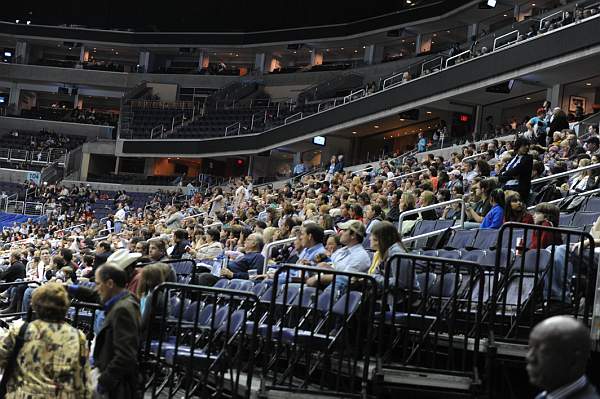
point(558, 124)
point(13, 272)
point(116, 350)
point(522, 173)
point(117, 344)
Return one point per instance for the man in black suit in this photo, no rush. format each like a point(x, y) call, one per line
point(559, 348)
point(516, 175)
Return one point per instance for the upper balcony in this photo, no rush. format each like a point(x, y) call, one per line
point(560, 55)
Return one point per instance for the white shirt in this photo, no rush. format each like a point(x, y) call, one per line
point(120, 215)
point(567, 390)
point(351, 259)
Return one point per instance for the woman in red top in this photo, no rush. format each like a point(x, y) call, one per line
point(545, 215)
point(515, 210)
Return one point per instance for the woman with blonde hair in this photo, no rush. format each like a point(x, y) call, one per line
point(54, 358)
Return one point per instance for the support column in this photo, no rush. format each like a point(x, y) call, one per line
point(250, 164)
point(478, 111)
point(117, 164)
point(13, 100)
point(259, 62)
point(555, 96)
point(422, 44)
point(85, 166)
point(21, 53)
point(203, 60)
point(316, 57)
point(144, 61)
point(517, 12)
point(472, 31)
point(373, 54)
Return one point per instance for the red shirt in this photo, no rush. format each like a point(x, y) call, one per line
point(547, 238)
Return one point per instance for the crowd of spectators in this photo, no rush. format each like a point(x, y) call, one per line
point(338, 219)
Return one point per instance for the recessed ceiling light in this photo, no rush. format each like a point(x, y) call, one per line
point(506, 15)
point(408, 2)
point(447, 31)
point(432, 42)
point(527, 98)
point(435, 35)
point(428, 112)
point(353, 132)
point(341, 48)
point(588, 84)
point(402, 119)
point(403, 40)
point(356, 51)
point(364, 46)
point(532, 4)
point(376, 126)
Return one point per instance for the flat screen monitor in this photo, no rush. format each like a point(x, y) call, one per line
point(319, 140)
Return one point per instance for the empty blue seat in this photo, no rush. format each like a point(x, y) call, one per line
point(485, 239)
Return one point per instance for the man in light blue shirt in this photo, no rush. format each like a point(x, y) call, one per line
point(351, 258)
point(312, 236)
point(299, 169)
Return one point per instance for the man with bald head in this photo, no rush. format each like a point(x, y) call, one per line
point(559, 348)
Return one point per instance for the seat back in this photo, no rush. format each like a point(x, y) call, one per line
point(461, 239)
point(485, 239)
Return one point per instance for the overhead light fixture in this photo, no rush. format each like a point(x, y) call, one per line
point(376, 126)
point(532, 4)
point(17, 21)
point(356, 51)
point(354, 132)
point(408, 2)
point(28, 22)
point(447, 31)
point(527, 98)
point(341, 48)
point(364, 46)
point(588, 84)
point(402, 119)
point(428, 112)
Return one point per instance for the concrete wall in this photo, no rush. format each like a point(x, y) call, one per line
point(116, 187)
point(66, 128)
point(166, 92)
point(102, 79)
point(16, 175)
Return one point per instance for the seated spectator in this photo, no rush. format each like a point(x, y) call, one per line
point(475, 212)
point(211, 248)
point(312, 236)
point(546, 215)
point(252, 259)
point(515, 210)
point(495, 217)
point(182, 244)
point(385, 240)
point(351, 258)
